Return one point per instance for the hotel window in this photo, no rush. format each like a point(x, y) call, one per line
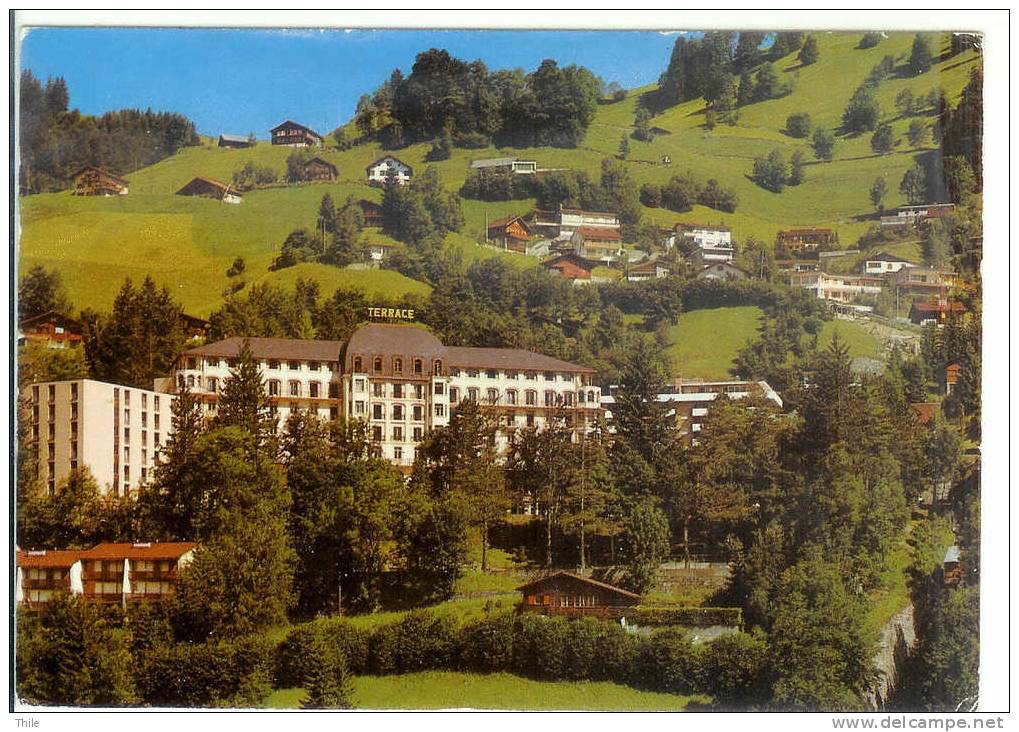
point(377, 434)
point(274, 387)
point(566, 377)
point(155, 405)
point(212, 384)
point(549, 376)
point(531, 398)
point(418, 434)
point(52, 413)
point(334, 390)
point(398, 434)
point(52, 451)
point(398, 365)
point(52, 430)
point(358, 407)
point(591, 397)
point(192, 364)
point(127, 416)
point(511, 374)
point(439, 388)
point(397, 453)
point(274, 365)
point(376, 411)
point(580, 397)
point(155, 421)
point(419, 391)
point(398, 391)
point(314, 365)
point(313, 388)
point(438, 367)
point(377, 390)
point(454, 395)
point(472, 394)
point(145, 436)
point(378, 363)
point(550, 399)
point(398, 412)
point(440, 410)
point(531, 376)
point(473, 373)
point(358, 365)
point(127, 434)
point(511, 396)
point(568, 399)
point(145, 456)
point(74, 391)
point(127, 473)
point(334, 412)
point(493, 396)
point(418, 366)
point(419, 413)
point(492, 374)
point(294, 365)
point(191, 381)
point(127, 454)
point(35, 432)
point(530, 420)
point(155, 438)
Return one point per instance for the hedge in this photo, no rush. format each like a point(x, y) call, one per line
point(288, 668)
point(694, 617)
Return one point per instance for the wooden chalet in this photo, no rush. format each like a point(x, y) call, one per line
point(292, 134)
point(571, 266)
point(650, 269)
point(151, 571)
point(235, 141)
point(806, 239)
point(193, 327)
point(722, 271)
point(511, 233)
point(937, 311)
point(565, 593)
point(952, 566)
point(925, 412)
point(53, 328)
point(209, 188)
point(371, 212)
point(42, 573)
point(318, 169)
point(93, 181)
point(388, 169)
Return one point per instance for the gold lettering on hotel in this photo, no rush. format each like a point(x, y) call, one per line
point(391, 313)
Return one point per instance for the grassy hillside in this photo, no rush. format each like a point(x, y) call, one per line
point(704, 343)
point(188, 243)
point(450, 690)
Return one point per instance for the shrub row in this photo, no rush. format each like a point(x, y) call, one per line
point(732, 669)
point(698, 617)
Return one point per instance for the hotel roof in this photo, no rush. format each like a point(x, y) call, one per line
point(140, 550)
point(509, 359)
point(281, 349)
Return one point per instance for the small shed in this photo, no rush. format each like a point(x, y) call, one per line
point(571, 266)
point(94, 181)
point(235, 141)
point(565, 593)
point(208, 188)
point(952, 566)
point(318, 169)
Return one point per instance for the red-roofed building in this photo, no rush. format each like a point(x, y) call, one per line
point(926, 412)
point(511, 233)
point(936, 311)
point(52, 328)
point(571, 266)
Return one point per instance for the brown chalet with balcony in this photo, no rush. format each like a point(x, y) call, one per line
point(511, 233)
point(565, 593)
point(371, 212)
point(52, 328)
point(93, 181)
point(806, 240)
point(292, 134)
point(319, 170)
point(42, 573)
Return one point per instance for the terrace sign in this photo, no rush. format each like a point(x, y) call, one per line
point(375, 313)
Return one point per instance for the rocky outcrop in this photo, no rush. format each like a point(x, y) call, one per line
point(898, 636)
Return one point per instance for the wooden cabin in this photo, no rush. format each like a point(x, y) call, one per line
point(511, 233)
point(208, 188)
point(565, 593)
point(292, 134)
point(798, 240)
point(93, 181)
point(318, 169)
point(571, 266)
point(52, 328)
point(371, 211)
point(235, 141)
point(952, 566)
point(193, 327)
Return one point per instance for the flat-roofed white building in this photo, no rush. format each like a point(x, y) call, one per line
point(115, 431)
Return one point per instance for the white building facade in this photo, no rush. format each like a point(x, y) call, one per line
point(388, 168)
point(115, 431)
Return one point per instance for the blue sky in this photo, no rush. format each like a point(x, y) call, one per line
point(238, 81)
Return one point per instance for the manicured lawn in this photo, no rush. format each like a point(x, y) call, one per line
point(449, 690)
point(704, 343)
point(860, 342)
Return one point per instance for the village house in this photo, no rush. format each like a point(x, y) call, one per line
point(951, 567)
point(371, 212)
point(840, 288)
point(292, 134)
point(318, 169)
point(511, 232)
point(377, 251)
point(797, 265)
point(565, 593)
point(722, 271)
point(564, 222)
point(194, 327)
point(93, 181)
point(236, 141)
point(506, 165)
point(208, 188)
point(806, 240)
point(918, 280)
point(115, 431)
point(53, 329)
point(598, 243)
point(908, 216)
point(949, 377)
point(650, 269)
point(883, 263)
point(934, 311)
point(388, 169)
point(571, 266)
point(121, 574)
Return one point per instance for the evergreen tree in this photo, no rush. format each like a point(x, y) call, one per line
point(878, 190)
point(624, 146)
point(796, 168)
point(823, 143)
point(798, 125)
point(647, 538)
point(326, 677)
point(863, 112)
point(809, 53)
point(771, 172)
point(327, 214)
point(243, 402)
point(917, 133)
point(883, 139)
point(914, 185)
point(39, 291)
point(920, 56)
point(905, 103)
point(642, 124)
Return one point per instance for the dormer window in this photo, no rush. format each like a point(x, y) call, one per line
point(418, 366)
point(438, 367)
point(398, 365)
point(378, 363)
point(358, 365)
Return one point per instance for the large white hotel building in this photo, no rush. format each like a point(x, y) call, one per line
point(401, 380)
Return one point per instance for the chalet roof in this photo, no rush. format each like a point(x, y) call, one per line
point(586, 580)
point(389, 157)
point(509, 358)
point(721, 265)
point(281, 349)
point(886, 257)
point(47, 557)
point(952, 554)
point(649, 265)
point(235, 138)
point(103, 171)
point(140, 550)
point(367, 205)
point(215, 184)
point(194, 320)
point(925, 411)
point(51, 316)
point(506, 221)
point(597, 232)
point(290, 123)
point(801, 232)
point(321, 161)
point(571, 257)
